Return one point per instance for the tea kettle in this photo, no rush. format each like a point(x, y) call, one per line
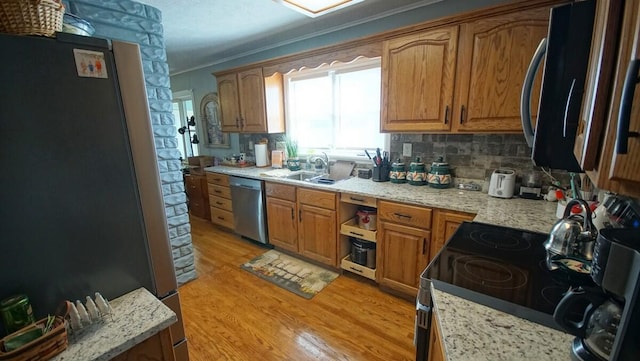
point(597, 328)
point(572, 236)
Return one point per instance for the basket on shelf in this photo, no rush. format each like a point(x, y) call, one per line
point(40, 349)
point(31, 17)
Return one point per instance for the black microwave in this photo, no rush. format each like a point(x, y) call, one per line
point(567, 48)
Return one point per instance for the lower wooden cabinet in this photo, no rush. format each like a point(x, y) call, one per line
point(220, 203)
point(436, 348)
point(445, 223)
point(283, 223)
point(303, 221)
point(403, 253)
point(196, 186)
point(156, 348)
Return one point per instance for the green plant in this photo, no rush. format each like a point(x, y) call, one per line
point(291, 145)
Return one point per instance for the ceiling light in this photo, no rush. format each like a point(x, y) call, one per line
point(315, 8)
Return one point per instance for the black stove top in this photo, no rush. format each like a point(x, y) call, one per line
point(499, 267)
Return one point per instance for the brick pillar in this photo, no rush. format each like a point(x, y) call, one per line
point(142, 24)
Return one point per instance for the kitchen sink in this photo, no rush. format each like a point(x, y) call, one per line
point(312, 177)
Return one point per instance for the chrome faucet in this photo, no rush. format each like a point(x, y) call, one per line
point(323, 160)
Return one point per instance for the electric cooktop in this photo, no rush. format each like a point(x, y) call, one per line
point(499, 267)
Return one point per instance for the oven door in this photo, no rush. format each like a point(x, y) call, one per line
point(421, 336)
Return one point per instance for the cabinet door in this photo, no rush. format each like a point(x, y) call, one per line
point(418, 73)
point(403, 254)
point(317, 234)
point(252, 104)
point(436, 348)
point(445, 224)
point(492, 62)
point(626, 167)
point(281, 218)
point(229, 102)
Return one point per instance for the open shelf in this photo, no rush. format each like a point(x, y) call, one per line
point(350, 228)
point(347, 265)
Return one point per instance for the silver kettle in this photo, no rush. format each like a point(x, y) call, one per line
point(573, 236)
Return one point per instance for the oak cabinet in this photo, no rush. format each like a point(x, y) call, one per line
point(250, 102)
point(156, 348)
point(463, 78)
point(317, 226)
point(436, 348)
point(282, 214)
point(404, 238)
point(413, 66)
point(614, 53)
point(494, 56)
point(221, 207)
point(303, 221)
point(445, 223)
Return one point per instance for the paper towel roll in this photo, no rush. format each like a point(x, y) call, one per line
point(261, 155)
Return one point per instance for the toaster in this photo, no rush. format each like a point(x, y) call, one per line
point(503, 183)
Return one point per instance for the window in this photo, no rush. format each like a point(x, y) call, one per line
point(183, 110)
point(336, 109)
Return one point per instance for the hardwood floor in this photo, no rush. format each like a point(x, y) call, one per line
point(230, 314)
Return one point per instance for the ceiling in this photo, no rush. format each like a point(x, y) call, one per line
point(200, 33)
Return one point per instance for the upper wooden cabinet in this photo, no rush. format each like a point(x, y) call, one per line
point(614, 52)
point(465, 78)
point(250, 102)
point(494, 56)
point(414, 68)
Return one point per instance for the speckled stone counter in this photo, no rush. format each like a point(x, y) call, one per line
point(137, 316)
point(532, 215)
point(473, 332)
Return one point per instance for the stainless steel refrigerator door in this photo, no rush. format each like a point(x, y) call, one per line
point(136, 110)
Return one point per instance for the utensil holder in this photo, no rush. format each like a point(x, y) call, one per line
point(380, 173)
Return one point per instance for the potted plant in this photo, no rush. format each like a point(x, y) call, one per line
point(293, 163)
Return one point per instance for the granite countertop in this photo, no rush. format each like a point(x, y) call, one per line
point(471, 331)
point(137, 316)
point(531, 215)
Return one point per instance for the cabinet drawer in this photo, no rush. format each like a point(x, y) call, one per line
point(220, 191)
point(219, 179)
point(193, 186)
point(350, 228)
point(222, 217)
point(219, 202)
point(317, 198)
point(405, 214)
point(358, 199)
point(199, 208)
point(281, 191)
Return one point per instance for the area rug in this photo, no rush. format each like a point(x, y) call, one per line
point(302, 278)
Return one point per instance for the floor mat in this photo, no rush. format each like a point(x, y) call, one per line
point(292, 274)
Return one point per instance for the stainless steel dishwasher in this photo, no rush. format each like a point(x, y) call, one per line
point(247, 197)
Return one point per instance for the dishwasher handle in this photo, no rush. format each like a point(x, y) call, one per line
point(245, 187)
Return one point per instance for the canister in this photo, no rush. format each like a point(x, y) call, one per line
point(439, 175)
point(367, 218)
point(417, 175)
point(16, 313)
point(398, 173)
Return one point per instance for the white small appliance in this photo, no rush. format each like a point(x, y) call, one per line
point(503, 183)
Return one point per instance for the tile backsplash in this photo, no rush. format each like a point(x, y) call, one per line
point(470, 156)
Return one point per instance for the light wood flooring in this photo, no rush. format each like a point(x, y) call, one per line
point(230, 314)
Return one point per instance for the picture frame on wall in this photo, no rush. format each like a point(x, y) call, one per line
point(211, 123)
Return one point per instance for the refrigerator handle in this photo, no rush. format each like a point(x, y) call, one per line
point(525, 97)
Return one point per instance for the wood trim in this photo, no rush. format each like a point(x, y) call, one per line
point(366, 44)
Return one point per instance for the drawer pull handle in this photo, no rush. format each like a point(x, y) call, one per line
point(222, 218)
point(355, 269)
point(217, 191)
point(356, 234)
point(402, 215)
point(219, 203)
point(357, 199)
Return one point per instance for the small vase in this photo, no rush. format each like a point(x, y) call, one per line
point(293, 164)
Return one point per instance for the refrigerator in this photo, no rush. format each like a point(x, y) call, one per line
point(81, 199)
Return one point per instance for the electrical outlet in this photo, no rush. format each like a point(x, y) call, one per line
point(406, 149)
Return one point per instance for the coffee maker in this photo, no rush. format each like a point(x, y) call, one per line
point(609, 328)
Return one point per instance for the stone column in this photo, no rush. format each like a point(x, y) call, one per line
point(142, 24)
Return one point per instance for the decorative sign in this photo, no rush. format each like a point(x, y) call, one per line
point(90, 64)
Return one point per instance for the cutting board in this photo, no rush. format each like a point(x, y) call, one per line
point(341, 169)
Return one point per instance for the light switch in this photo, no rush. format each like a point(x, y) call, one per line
point(406, 149)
